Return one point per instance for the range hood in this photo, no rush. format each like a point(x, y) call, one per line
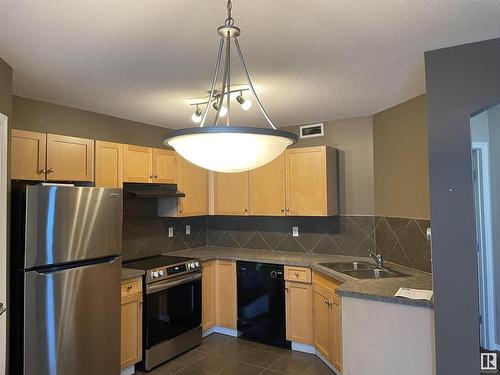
point(154, 191)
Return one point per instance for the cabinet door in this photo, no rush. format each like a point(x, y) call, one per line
point(137, 164)
point(131, 330)
point(108, 164)
point(322, 321)
point(193, 181)
point(164, 166)
point(267, 188)
point(28, 155)
point(231, 193)
point(298, 298)
point(208, 294)
point(337, 334)
point(306, 193)
point(226, 293)
point(69, 158)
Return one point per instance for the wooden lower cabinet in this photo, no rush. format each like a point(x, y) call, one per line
point(208, 295)
point(327, 317)
point(226, 301)
point(298, 302)
point(131, 322)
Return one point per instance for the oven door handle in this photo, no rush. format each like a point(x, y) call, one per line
point(156, 287)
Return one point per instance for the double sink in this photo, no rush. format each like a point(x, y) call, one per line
point(363, 270)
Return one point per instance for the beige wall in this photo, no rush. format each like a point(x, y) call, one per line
point(401, 160)
point(45, 117)
point(354, 139)
point(5, 88)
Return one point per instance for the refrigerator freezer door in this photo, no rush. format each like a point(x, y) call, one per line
point(67, 224)
point(72, 320)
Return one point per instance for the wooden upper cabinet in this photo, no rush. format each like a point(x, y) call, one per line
point(311, 187)
point(164, 166)
point(231, 193)
point(193, 181)
point(28, 155)
point(69, 158)
point(267, 188)
point(108, 164)
point(137, 164)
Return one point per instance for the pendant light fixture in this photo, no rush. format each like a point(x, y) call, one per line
point(229, 148)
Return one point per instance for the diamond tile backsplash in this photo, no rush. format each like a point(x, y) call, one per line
point(399, 240)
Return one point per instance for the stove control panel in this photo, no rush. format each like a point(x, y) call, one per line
point(161, 273)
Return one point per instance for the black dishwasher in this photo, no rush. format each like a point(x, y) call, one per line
point(261, 303)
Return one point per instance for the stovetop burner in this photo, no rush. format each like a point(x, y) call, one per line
point(161, 267)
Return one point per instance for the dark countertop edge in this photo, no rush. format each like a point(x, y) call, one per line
point(347, 290)
point(128, 273)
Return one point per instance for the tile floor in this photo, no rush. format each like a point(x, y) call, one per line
point(219, 354)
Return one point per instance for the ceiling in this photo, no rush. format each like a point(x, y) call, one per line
point(311, 60)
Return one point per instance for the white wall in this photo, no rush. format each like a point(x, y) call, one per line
point(381, 338)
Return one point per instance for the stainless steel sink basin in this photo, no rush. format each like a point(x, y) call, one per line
point(348, 266)
point(362, 270)
point(375, 273)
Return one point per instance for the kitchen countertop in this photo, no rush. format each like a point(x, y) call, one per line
point(128, 273)
point(373, 289)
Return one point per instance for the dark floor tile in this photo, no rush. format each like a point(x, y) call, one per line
point(209, 364)
point(166, 369)
point(260, 358)
point(294, 363)
point(272, 372)
point(318, 368)
point(190, 357)
point(240, 368)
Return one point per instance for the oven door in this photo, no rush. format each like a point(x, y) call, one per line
point(172, 307)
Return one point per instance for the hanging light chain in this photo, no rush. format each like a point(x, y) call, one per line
point(229, 20)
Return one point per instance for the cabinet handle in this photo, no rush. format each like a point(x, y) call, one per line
point(296, 274)
point(156, 176)
point(151, 176)
point(246, 210)
point(41, 171)
point(180, 211)
point(129, 286)
point(50, 170)
point(287, 210)
point(326, 302)
point(282, 210)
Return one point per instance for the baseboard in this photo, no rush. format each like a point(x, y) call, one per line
point(222, 330)
point(304, 348)
point(128, 370)
point(327, 362)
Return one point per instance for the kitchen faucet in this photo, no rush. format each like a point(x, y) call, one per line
point(378, 258)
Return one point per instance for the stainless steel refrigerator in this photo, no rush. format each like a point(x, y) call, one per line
point(66, 246)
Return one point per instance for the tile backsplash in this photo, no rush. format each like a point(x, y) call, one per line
point(399, 240)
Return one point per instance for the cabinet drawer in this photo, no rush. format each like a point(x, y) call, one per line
point(131, 286)
point(298, 274)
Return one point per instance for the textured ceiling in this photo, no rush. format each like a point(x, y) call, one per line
point(311, 60)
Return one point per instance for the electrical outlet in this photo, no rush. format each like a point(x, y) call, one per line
point(188, 229)
point(295, 231)
point(170, 231)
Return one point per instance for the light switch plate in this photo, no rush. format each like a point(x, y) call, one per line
point(295, 231)
point(188, 229)
point(170, 231)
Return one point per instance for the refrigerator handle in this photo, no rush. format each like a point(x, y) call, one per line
point(2, 309)
point(83, 264)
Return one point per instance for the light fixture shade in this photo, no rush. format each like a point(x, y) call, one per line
point(229, 149)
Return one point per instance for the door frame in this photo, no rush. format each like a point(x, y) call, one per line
point(485, 247)
point(4, 145)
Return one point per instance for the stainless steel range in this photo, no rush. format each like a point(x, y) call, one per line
point(172, 307)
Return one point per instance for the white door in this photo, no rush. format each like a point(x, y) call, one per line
point(3, 238)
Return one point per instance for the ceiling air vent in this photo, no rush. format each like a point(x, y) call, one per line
point(312, 130)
